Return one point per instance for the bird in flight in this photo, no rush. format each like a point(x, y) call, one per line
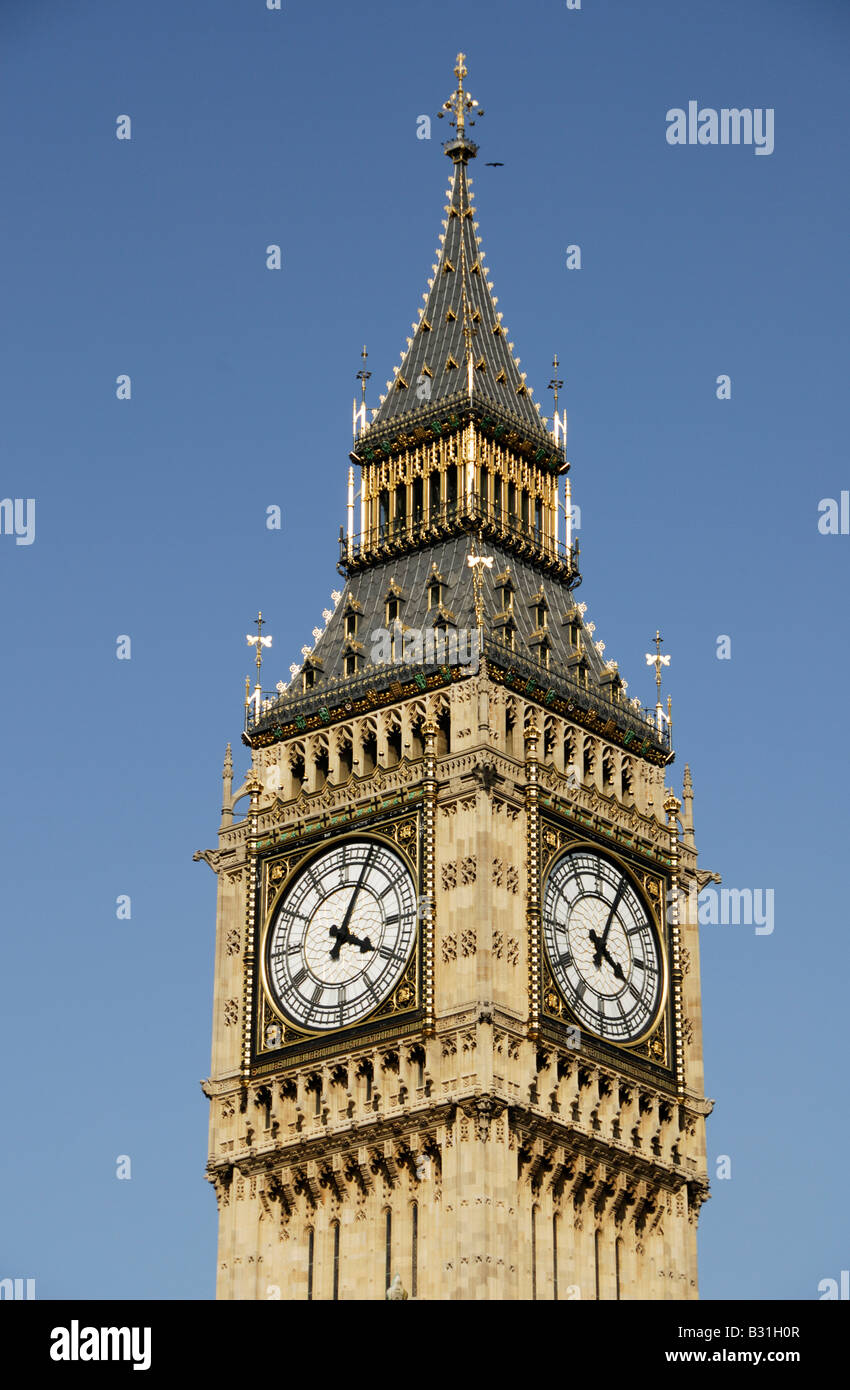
point(494, 164)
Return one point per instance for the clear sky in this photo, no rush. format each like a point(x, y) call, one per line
point(147, 257)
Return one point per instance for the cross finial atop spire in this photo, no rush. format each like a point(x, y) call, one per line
point(658, 661)
point(363, 376)
point(461, 105)
point(556, 383)
point(259, 642)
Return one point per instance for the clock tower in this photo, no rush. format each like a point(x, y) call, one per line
point(456, 1035)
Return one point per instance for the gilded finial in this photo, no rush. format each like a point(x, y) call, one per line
point(363, 376)
point(461, 105)
point(259, 642)
point(555, 384)
point(658, 661)
point(478, 563)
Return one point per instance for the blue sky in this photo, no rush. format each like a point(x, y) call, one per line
point(699, 516)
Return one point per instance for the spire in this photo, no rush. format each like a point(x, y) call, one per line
point(227, 789)
point(459, 351)
point(688, 812)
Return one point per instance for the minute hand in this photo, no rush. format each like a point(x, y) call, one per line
point(601, 942)
point(343, 927)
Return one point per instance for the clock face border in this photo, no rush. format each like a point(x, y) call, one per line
point(654, 1049)
point(298, 1038)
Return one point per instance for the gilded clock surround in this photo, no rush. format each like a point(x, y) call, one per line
point(402, 1007)
point(651, 888)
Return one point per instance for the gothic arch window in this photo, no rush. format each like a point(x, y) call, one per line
point(388, 1248)
point(416, 492)
point(512, 739)
point(618, 1263)
point(597, 1243)
point(383, 513)
point(394, 746)
point(451, 487)
point(555, 1256)
point(314, 1084)
point(434, 493)
point(366, 1070)
point(414, 1249)
point(497, 496)
point(534, 1252)
point(569, 748)
point(444, 734)
point(335, 1293)
point(311, 1248)
point(483, 488)
point(589, 758)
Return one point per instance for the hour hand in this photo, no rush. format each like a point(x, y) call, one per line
point(603, 952)
point(344, 937)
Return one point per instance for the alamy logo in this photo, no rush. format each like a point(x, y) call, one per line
point(727, 907)
point(728, 126)
point(431, 646)
point(14, 1288)
point(77, 1343)
point(17, 518)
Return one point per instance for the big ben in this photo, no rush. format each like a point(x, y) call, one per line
point(457, 1046)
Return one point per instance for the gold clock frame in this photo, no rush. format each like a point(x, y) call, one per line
point(650, 889)
point(404, 999)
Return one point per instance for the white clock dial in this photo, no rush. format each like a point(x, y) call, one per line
point(602, 947)
point(342, 935)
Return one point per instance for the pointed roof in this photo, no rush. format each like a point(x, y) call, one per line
point(459, 349)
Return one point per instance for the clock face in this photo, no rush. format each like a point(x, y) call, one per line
point(602, 947)
point(342, 935)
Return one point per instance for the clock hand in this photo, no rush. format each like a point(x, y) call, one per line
point(598, 942)
point(602, 950)
point(358, 885)
point(344, 937)
point(342, 931)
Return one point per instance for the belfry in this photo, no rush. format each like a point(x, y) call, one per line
point(457, 1048)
